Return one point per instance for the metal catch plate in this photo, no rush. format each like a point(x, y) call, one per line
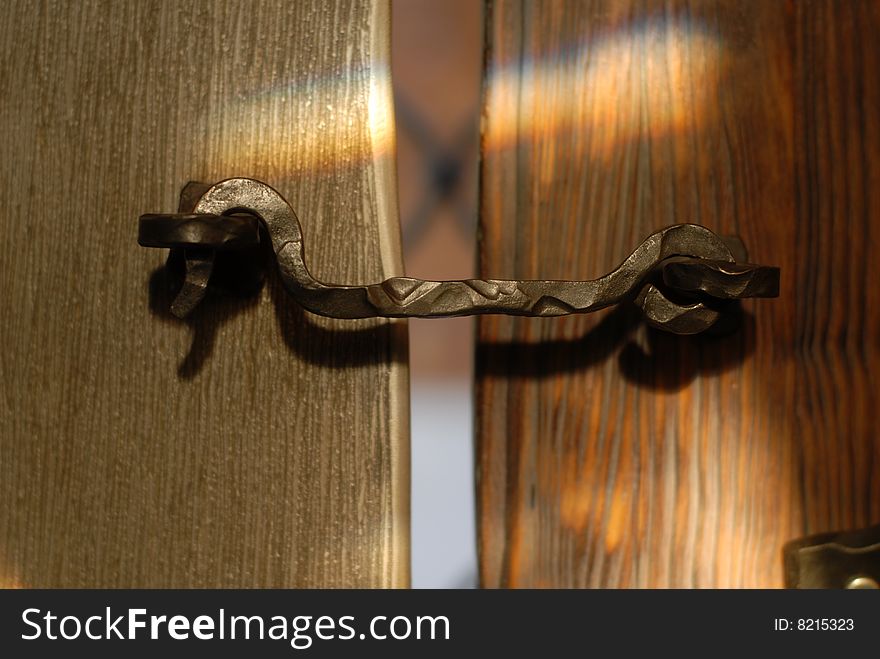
point(848, 559)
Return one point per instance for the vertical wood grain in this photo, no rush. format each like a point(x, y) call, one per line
point(612, 456)
point(256, 446)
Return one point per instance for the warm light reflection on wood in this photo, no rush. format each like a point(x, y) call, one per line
point(636, 83)
point(304, 123)
point(8, 582)
point(641, 82)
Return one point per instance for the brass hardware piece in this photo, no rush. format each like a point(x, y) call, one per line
point(848, 559)
point(862, 583)
point(681, 277)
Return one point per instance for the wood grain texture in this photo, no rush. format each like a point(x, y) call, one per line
point(610, 456)
point(257, 445)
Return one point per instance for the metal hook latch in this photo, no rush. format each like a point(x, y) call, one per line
point(681, 276)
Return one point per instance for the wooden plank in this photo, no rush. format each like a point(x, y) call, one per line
point(257, 446)
point(609, 456)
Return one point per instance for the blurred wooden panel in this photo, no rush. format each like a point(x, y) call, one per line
point(256, 445)
point(612, 456)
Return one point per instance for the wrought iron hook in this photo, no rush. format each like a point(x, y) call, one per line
point(677, 276)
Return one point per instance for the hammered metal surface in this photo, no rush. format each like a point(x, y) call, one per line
point(679, 276)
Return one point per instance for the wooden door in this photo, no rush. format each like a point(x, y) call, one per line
point(255, 445)
point(609, 456)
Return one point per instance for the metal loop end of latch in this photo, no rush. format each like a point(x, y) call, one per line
point(680, 277)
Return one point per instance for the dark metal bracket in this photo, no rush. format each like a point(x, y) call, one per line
point(681, 277)
point(849, 559)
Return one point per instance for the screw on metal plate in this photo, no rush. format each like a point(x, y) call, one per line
point(849, 559)
point(681, 277)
